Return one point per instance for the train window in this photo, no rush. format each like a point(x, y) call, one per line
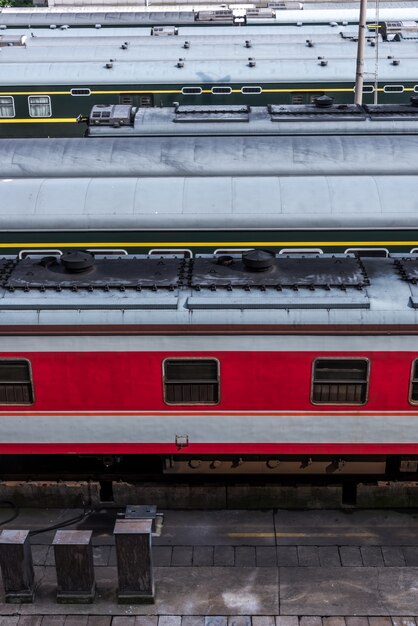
point(368, 88)
point(221, 90)
point(416, 88)
point(80, 91)
point(39, 106)
point(15, 382)
point(7, 106)
point(191, 91)
point(340, 381)
point(393, 89)
point(191, 381)
point(413, 390)
point(251, 90)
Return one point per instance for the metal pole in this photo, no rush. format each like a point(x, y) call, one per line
point(358, 96)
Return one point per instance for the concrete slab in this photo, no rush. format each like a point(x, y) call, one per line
point(346, 591)
point(210, 591)
point(329, 556)
point(224, 556)
point(393, 556)
point(326, 527)
point(214, 528)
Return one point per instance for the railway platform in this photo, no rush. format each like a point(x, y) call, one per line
point(240, 568)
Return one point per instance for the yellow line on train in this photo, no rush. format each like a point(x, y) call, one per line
point(205, 244)
point(234, 244)
point(36, 120)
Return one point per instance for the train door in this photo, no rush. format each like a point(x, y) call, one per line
point(137, 99)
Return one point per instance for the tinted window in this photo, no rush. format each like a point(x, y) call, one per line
point(15, 382)
point(191, 381)
point(340, 381)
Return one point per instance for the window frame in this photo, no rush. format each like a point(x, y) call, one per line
point(9, 117)
point(221, 90)
point(40, 117)
point(30, 381)
point(197, 91)
point(246, 90)
point(188, 358)
point(411, 381)
point(80, 95)
point(340, 358)
point(390, 88)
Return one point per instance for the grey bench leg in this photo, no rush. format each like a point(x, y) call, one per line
point(16, 566)
point(134, 560)
point(74, 564)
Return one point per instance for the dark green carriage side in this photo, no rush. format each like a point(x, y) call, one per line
point(67, 102)
point(209, 241)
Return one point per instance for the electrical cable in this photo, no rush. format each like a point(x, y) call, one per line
point(14, 514)
point(64, 524)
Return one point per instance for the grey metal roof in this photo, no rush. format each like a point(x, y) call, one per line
point(119, 18)
point(308, 15)
point(80, 49)
point(383, 297)
point(258, 202)
point(202, 72)
point(200, 120)
point(336, 155)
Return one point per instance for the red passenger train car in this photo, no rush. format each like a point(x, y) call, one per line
point(257, 363)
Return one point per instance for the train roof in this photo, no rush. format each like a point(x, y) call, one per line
point(341, 181)
point(200, 48)
point(199, 120)
point(186, 203)
point(33, 18)
point(210, 156)
point(293, 291)
point(202, 72)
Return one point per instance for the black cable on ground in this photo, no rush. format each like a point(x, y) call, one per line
point(64, 524)
point(14, 514)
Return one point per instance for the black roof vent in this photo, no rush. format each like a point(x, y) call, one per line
point(323, 101)
point(258, 260)
point(77, 260)
point(225, 260)
point(414, 101)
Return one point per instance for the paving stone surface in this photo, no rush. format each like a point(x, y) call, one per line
point(287, 568)
point(224, 556)
point(372, 556)
point(287, 621)
point(203, 556)
point(411, 556)
point(351, 556)
point(265, 556)
point(287, 556)
point(182, 556)
point(393, 556)
point(336, 591)
point(329, 556)
point(308, 556)
point(245, 556)
point(161, 556)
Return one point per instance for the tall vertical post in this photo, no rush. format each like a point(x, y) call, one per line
point(134, 561)
point(361, 45)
